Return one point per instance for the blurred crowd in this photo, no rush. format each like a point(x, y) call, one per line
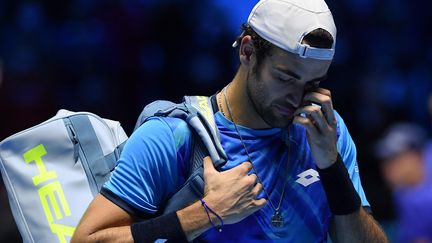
point(112, 57)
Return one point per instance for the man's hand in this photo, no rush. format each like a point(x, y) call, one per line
point(232, 193)
point(320, 124)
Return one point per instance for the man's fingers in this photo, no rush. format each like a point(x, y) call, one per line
point(257, 189)
point(253, 178)
point(244, 167)
point(259, 203)
point(323, 91)
point(315, 114)
point(306, 123)
point(323, 98)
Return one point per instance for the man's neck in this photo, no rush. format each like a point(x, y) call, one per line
point(240, 104)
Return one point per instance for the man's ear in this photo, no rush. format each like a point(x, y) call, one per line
point(247, 50)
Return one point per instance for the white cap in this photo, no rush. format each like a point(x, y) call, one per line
point(284, 23)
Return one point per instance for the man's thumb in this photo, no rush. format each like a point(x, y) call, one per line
point(208, 165)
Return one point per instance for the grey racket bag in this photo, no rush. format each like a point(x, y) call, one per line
point(53, 170)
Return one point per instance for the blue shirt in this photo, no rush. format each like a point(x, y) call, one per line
point(155, 162)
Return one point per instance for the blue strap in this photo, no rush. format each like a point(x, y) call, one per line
point(112, 158)
point(190, 192)
point(93, 159)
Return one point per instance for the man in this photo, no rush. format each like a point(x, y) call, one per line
point(406, 157)
point(284, 180)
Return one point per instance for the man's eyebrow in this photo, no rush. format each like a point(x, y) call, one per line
point(289, 72)
point(293, 74)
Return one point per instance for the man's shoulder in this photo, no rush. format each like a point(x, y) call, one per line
point(170, 123)
point(161, 127)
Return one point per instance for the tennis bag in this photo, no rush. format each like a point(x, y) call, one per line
point(53, 170)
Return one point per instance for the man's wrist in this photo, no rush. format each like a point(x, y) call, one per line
point(166, 227)
point(210, 212)
point(341, 195)
point(328, 163)
point(194, 221)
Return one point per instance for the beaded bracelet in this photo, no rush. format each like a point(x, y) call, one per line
point(207, 209)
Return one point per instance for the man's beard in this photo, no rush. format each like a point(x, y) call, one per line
point(258, 95)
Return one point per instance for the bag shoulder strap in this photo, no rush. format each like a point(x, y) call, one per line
point(198, 113)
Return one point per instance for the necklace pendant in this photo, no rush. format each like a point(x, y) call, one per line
point(277, 220)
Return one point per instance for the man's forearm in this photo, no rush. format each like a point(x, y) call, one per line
point(357, 227)
point(351, 222)
point(231, 196)
point(193, 222)
point(117, 234)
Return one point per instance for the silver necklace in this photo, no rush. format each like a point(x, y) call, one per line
point(276, 219)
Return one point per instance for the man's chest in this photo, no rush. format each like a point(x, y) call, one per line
point(291, 186)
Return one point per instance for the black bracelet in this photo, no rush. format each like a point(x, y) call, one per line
point(164, 227)
point(341, 195)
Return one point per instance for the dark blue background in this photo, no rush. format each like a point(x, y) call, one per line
point(112, 57)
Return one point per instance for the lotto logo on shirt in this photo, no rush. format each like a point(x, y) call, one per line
point(308, 177)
